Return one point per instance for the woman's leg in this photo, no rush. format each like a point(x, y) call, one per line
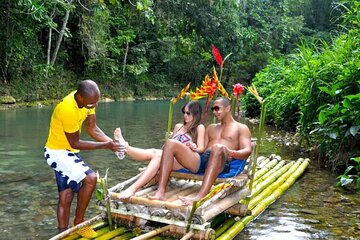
point(148, 174)
point(137, 154)
point(184, 156)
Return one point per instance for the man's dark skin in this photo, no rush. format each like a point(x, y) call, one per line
point(87, 96)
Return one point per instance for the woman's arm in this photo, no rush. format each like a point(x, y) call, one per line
point(200, 138)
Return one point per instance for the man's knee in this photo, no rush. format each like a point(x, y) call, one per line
point(90, 179)
point(66, 197)
point(218, 149)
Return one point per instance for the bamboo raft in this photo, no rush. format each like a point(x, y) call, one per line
point(170, 218)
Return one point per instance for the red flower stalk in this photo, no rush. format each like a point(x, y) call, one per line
point(217, 56)
point(237, 90)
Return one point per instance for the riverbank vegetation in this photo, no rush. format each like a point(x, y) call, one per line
point(302, 55)
point(316, 89)
point(145, 47)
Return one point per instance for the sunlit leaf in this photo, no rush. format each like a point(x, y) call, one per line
point(99, 194)
point(333, 135)
point(345, 181)
point(354, 130)
point(322, 117)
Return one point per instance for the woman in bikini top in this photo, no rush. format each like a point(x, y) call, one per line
point(190, 132)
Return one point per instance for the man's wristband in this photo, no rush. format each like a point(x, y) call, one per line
point(233, 154)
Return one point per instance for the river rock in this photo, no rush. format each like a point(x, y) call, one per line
point(10, 176)
point(7, 99)
point(308, 211)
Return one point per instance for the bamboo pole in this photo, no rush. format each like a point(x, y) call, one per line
point(238, 181)
point(291, 178)
point(265, 169)
point(152, 233)
point(223, 205)
point(152, 203)
point(270, 171)
point(187, 236)
point(77, 227)
point(121, 185)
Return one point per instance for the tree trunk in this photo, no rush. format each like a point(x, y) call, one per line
point(125, 57)
point(61, 35)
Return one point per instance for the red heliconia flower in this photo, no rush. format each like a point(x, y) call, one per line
point(217, 56)
point(238, 89)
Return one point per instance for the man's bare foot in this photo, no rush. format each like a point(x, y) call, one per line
point(126, 194)
point(157, 196)
point(189, 200)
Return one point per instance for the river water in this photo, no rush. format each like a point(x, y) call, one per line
point(311, 209)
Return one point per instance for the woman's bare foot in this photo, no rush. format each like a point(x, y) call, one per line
point(118, 136)
point(126, 193)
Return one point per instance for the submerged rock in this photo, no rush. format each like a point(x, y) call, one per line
point(9, 176)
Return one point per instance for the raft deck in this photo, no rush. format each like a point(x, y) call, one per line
point(139, 208)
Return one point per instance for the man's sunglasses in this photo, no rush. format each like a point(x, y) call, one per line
point(216, 108)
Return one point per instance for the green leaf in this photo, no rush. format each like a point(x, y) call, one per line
point(333, 135)
point(356, 159)
point(351, 97)
point(354, 130)
point(345, 181)
point(322, 117)
point(327, 90)
point(99, 194)
point(347, 103)
point(348, 169)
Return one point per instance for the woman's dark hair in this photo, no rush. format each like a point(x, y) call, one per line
point(196, 111)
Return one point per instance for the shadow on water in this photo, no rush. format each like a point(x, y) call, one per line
point(312, 209)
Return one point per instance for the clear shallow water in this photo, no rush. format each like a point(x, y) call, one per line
point(311, 209)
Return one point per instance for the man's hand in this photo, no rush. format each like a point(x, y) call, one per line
point(115, 146)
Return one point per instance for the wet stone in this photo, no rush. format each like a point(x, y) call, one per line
point(312, 221)
point(308, 211)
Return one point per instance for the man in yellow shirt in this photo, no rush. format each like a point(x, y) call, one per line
point(62, 151)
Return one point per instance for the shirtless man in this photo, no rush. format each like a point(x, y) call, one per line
point(225, 141)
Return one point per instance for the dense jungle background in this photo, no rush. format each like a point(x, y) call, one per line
point(302, 55)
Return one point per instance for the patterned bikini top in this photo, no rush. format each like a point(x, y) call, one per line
point(182, 137)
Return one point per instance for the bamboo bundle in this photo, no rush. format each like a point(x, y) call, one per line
point(271, 187)
point(278, 189)
point(265, 169)
point(273, 169)
point(291, 176)
point(225, 226)
point(261, 185)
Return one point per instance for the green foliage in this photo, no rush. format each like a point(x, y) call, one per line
point(317, 88)
point(350, 179)
point(137, 47)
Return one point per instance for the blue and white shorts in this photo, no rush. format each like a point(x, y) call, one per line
point(69, 168)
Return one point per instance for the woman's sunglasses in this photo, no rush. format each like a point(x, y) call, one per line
point(216, 108)
point(187, 113)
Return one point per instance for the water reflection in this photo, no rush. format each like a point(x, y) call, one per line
point(311, 209)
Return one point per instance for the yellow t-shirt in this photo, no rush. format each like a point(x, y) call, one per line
point(67, 117)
